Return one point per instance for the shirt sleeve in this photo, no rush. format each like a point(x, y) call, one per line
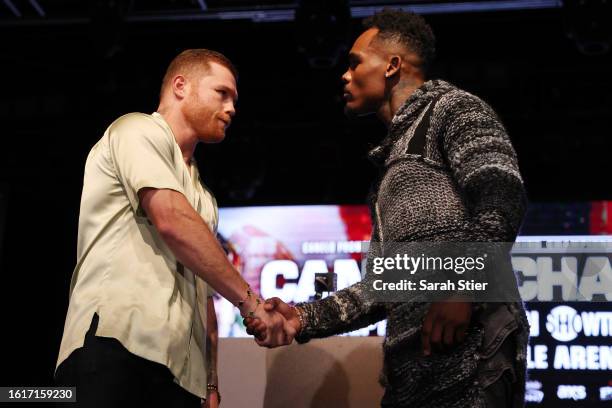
point(484, 164)
point(143, 156)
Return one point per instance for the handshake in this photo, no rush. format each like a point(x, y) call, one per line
point(445, 324)
point(274, 324)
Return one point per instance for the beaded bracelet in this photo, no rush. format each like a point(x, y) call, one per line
point(249, 295)
point(215, 388)
point(251, 314)
point(301, 317)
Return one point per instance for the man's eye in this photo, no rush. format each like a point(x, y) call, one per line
point(353, 64)
point(222, 92)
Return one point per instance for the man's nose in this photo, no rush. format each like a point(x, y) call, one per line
point(230, 110)
point(346, 77)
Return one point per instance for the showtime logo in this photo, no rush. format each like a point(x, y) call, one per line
point(564, 323)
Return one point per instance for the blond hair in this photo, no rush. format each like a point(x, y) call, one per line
point(191, 60)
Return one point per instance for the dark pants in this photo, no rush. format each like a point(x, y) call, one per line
point(107, 375)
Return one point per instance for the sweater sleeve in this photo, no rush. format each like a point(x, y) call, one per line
point(344, 311)
point(484, 164)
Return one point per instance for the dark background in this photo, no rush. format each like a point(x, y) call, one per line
point(68, 74)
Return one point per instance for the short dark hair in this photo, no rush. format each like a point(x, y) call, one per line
point(189, 60)
point(408, 29)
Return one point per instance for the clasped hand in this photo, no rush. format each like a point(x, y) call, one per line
point(275, 324)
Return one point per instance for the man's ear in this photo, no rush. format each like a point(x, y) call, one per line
point(394, 65)
point(179, 86)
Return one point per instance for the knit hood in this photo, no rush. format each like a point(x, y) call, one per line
point(406, 115)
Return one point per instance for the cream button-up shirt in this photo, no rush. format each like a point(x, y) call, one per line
point(125, 272)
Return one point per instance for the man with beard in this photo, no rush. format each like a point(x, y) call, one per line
point(448, 173)
point(135, 331)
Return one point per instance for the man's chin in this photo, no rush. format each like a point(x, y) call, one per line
point(218, 139)
point(212, 139)
point(350, 111)
point(353, 112)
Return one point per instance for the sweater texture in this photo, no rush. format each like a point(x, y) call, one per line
point(462, 184)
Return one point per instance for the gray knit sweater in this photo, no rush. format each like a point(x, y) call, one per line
point(462, 183)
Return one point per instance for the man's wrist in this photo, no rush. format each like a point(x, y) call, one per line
point(302, 319)
point(249, 304)
point(248, 308)
point(213, 388)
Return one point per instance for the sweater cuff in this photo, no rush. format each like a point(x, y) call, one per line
point(304, 336)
